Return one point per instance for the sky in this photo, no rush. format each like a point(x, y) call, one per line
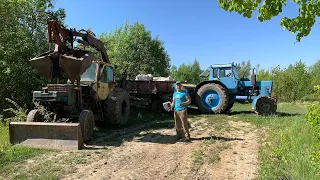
point(201, 30)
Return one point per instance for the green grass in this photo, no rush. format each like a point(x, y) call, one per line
point(197, 157)
point(286, 151)
point(215, 154)
point(12, 154)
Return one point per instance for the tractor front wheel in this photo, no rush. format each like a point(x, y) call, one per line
point(35, 116)
point(265, 106)
point(86, 120)
point(117, 107)
point(212, 98)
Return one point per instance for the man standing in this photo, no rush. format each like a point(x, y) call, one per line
point(180, 101)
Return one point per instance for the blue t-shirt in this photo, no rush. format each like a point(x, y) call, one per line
point(180, 97)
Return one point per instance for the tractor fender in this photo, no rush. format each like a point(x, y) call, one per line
point(207, 82)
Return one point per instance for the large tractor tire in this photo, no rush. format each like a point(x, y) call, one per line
point(117, 107)
point(212, 98)
point(35, 116)
point(230, 105)
point(86, 120)
point(265, 106)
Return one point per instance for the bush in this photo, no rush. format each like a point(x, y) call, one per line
point(17, 113)
point(313, 118)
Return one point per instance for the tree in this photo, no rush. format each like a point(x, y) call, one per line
point(190, 73)
point(244, 69)
point(132, 48)
point(301, 24)
point(315, 73)
point(292, 83)
point(23, 36)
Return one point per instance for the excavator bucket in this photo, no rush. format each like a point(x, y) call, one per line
point(63, 136)
point(72, 65)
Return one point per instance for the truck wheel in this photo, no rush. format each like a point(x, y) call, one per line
point(86, 120)
point(157, 106)
point(212, 98)
point(117, 107)
point(265, 106)
point(34, 116)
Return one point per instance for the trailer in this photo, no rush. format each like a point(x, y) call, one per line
point(150, 93)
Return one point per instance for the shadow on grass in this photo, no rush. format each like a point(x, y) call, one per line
point(171, 139)
point(278, 114)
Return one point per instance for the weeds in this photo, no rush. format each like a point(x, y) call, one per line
point(197, 157)
point(216, 151)
point(18, 113)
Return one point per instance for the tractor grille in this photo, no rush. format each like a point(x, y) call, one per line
point(56, 87)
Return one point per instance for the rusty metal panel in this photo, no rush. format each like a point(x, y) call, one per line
point(164, 86)
point(76, 64)
point(148, 87)
point(50, 65)
point(57, 87)
point(63, 136)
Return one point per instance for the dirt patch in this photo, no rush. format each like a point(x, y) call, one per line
point(220, 149)
point(156, 154)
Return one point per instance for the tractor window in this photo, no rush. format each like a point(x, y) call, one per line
point(90, 73)
point(215, 73)
point(107, 74)
point(225, 72)
point(110, 73)
point(235, 72)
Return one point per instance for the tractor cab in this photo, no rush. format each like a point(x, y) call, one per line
point(226, 74)
point(100, 77)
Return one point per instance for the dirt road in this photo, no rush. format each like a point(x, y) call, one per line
point(230, 153)
point(221, 148)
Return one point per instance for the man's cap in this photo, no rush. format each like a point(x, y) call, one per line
point(178, 82)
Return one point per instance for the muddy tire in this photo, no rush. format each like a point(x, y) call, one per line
point(265, 106)
point(230, 105)
point(157, 106)
point(35, 116)
point(117, 107)
point(212, 98)
point(86, 120)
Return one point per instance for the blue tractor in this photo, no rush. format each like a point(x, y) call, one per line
point(223, 87)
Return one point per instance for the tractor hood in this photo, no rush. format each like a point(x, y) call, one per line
point(52, 64)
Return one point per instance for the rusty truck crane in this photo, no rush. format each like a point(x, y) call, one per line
point(65, 114)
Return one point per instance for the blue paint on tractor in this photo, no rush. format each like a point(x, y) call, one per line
point(210, 99)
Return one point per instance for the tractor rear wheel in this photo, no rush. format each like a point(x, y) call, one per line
point(212, 98)
point(265, 106)
point(86, 120)
point(230, 105)
point(117, 107)
point(35, 116)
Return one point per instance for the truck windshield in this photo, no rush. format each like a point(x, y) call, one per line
point(90, 74)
